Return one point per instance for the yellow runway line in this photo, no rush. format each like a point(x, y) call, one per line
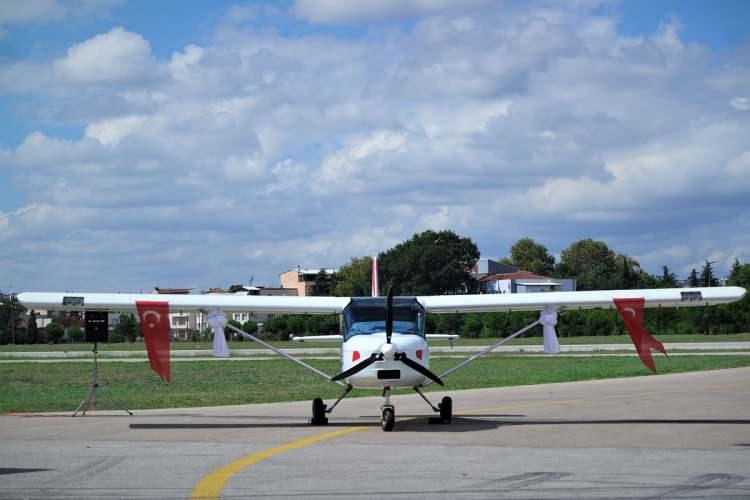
point(211, 485)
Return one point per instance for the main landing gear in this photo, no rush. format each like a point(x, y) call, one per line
point(320, 410)
point(387, 411)
point(445, 408)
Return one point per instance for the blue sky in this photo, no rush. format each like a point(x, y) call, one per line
point(193, 143)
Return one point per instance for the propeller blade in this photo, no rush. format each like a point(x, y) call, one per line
point(417, 367)
point(389, 315)
point(358, 367)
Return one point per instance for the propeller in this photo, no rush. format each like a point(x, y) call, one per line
point(401, 356)
point(358, 367)
point(380, 356)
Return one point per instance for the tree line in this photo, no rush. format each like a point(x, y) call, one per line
point(441, 262)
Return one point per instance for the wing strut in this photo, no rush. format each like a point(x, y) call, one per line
point(282, 353)
point(486, 350)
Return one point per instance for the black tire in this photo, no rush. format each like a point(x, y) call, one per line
point(446, 410)
point(388, 419)
point(318, 412)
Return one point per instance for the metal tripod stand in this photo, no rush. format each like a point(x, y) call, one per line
point(90, 400)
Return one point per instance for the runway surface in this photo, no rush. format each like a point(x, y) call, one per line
point(668, 436)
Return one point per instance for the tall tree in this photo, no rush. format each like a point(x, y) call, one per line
point(322, 285)
point(667, 279)
point(529, 255)
point(736, 268)
point(127, 327)
point(32, 329)
point(354, 279)
point(707, 277)
point(592, 263)
point(429, 263)
point(10, 318)
point(693, 280)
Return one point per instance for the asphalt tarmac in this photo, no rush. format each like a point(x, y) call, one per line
point(667, 436)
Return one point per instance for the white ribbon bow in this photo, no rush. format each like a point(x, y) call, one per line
point(218, 320)
point(548, 319)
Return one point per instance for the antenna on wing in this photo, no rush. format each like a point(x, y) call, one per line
point(375, 279)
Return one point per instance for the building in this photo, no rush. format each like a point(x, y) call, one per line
point(302, 280)
point(259, 317)
point(524, 282)
point(182, 324)
point(486, 267)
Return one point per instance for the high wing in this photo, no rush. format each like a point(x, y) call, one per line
point(664, 297)
point(661, 297)
point(72, 301)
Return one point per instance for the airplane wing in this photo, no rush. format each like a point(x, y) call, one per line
point(72, 301)
point(660, 297)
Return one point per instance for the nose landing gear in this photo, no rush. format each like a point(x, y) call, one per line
point(387, 412)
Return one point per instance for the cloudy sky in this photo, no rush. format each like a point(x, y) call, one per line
point(167, 144)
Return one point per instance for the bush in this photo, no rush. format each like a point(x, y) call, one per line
point(116, 337)
point(75, 333)
point(55, 332)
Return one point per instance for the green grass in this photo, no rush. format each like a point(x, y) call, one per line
point(35, 387)
point(609, 339)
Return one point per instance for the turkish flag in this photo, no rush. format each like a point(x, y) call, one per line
point(155, 326)
point(631, 311)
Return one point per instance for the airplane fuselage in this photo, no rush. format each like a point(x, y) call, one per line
point(388, 372)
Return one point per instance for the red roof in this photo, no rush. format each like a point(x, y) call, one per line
point(514, 276)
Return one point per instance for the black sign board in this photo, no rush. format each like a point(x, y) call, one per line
point(97, 326)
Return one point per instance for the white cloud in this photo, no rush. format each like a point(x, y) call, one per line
point(740, 103)
point(334, 12)
point(44, 11)
point(112, 57)
point(259, 151)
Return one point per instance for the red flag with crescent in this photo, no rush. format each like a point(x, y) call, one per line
point(154, 317)
point(631, 311)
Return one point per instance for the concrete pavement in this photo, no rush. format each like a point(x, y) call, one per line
point(667, 436)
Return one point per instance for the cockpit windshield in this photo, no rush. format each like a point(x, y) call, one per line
point(366, 315)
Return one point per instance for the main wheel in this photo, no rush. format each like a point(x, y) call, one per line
point(388, 418)
point(318, 412)
point(446, 410)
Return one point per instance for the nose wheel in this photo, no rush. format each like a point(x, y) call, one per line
point(387, 417)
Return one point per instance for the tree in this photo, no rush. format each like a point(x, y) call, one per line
point(75, 333)
point(228, 332)
point(32, 329)
point(127, 327)
point(55, 332)
point(736, 268)
point(355, 278)
point(692, 280)
point(10, 318)
point(667, 279)
point(531, 256)
point(592, 263)
point(707, 277)
point(250, 327)
point(429, 263)
point(322, 285)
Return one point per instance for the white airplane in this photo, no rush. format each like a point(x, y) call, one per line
point(384, 345)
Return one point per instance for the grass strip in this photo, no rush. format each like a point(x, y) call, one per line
point(34, 387)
